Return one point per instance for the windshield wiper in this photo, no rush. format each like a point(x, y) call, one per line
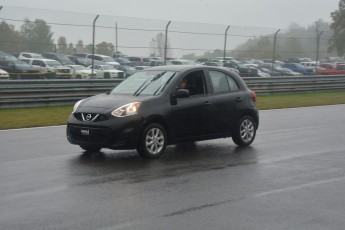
point(136, 93)
point(162, 87)
point(142, 87)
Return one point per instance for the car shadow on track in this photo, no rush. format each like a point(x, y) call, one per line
point(110, 165)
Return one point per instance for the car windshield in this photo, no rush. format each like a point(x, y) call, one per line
point(62, 57)
point(145, 83)
point(108, 59)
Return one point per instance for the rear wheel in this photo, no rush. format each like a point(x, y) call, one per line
point(245, 132)
point(90, 148)
point(153, 141)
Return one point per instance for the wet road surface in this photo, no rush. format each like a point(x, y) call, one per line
point(292, 177)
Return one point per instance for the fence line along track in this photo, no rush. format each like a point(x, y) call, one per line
point(29, 93)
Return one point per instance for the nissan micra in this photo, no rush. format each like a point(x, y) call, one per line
point(166, 105)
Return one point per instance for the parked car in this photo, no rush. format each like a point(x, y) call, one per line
point(296, 67)
point(139, 61)
point(81, 55)
point(129, 70)
point(286, 72)
point(62, 58)
point(108, 71)
point(123, 61)
point(84, 61)
point(4, 75)
point(260, 72)
point(29, 55)
point(180, 62)
point(330, 69)
point(16, 68)
point(215, 103)
point(244, 71)
point(103, 58)
point(82, 72)
point(49, 66)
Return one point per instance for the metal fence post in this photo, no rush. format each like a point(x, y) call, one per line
point(318, 35)
point(116, 38)
point(274, 48)
point(226, 37)
point(93, 43)
point(166, 43)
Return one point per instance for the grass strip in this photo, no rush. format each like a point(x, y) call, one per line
point(57, 115)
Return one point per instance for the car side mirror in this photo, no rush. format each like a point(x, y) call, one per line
point(182, 93)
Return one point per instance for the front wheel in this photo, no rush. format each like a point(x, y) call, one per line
point(245, 132)
point(153, 141)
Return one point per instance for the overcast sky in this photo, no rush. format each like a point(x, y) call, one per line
point(261, 13)
point(269, 15)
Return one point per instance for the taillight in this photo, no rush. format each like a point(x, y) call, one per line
point(254, 97)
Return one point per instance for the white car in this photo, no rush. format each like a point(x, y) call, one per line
point(103, 58)
point(82, 72)
point(109, 71)
point(29, 55)
point(49, 65)
point(4, 74)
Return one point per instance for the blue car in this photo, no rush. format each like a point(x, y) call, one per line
point(296, 67)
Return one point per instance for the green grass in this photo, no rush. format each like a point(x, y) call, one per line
point(34, 117)
point(280, 101)
point(58, 115)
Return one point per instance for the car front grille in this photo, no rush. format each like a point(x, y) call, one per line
point(121, 74)
point(90, 117)
point(64, 70)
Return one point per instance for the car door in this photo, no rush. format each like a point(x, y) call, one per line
point(228, 99)
point(191, 116)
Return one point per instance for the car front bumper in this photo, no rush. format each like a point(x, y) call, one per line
point(115, 133)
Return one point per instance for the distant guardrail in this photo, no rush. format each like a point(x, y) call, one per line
point(30, 93)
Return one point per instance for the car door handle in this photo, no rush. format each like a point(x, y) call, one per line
point(207, 102)
point(239, 99)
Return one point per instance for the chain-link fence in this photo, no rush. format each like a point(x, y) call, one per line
point(72, 32)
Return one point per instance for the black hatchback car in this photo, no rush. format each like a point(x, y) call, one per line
point(166, 105)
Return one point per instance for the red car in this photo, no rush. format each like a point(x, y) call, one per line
point(331, 69)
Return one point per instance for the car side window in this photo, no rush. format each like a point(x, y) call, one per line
point(222, 83)
point(195, 82)
point(219, 82)
point(232, 83)
point(98, 58)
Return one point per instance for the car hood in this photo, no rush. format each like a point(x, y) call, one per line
point(106, 102)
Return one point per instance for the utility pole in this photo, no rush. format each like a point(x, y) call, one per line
point(115, 38)
point(318, 36)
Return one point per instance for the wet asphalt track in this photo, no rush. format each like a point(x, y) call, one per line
point(292, 177)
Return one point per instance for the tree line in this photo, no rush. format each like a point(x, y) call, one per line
point(36, 36)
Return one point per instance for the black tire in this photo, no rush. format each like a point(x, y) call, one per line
point(90, 148)
point(152, 142)
point(245, 131)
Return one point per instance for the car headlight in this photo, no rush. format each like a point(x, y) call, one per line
point(75, 107)
point(127, 110)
